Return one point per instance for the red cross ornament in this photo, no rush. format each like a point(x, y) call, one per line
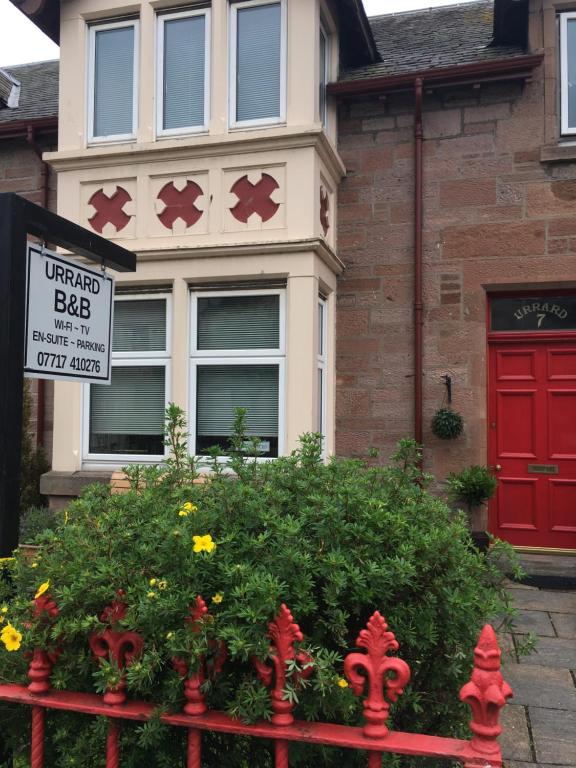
point(109, 209)
point(254, 198)
point(179, 204)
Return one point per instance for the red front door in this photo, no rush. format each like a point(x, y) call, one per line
point(532, 443)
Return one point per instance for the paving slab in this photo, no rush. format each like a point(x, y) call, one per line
point(506, 643)
point(534, 621)
point(541, 686)
point(519, 764)
point(564, 624)
point(515, 738)
point(544, 600)
point(557, 652)
point(554, 735)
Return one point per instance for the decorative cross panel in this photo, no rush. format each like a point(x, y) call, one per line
point(324, 210)
point(175, 203)
point(254, 198)
point(109, 209)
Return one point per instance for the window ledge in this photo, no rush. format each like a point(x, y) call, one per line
point(558, 153)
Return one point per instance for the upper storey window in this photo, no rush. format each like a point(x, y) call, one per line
point(183, 72)
point(112, 82)
point(258, 63)
point(568, 72)
point(323, 74)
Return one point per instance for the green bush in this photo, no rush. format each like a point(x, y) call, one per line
point(333, 541)
point(33, 461)
point(447, 424)
point(471, 486)
point(34, 521)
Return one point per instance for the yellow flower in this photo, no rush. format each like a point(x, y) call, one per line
point(151, 595)
point(4, 609)
point(34, 565)
point(153, 582)
point(342, 683)
point(5, 560)
point(162, 584)
point(203, 543)
point(186, 508)
point(169, 635)
point(218, 597)
point(42, 588)
point(11, 638)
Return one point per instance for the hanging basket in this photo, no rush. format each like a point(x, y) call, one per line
point(447, 424)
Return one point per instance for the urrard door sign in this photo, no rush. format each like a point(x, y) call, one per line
point(68, 319)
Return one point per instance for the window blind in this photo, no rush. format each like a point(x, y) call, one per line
point(258, 65)
point(239, 322)
point(222, 388)
point(184, 71)
point(132, 405)
point(139, 326)
point(571, 74)
point(114, 81)
point(323, 66)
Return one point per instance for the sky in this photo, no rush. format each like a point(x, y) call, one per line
point(21, 42)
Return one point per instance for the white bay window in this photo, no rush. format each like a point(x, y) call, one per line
point(568, 72)
point(124, 421)
point(112, 81)
point(237, 361)
point(257, 63)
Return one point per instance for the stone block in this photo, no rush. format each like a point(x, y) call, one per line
point(554, 735)
point(494, 240)
point(558, 652)
point(442, 123)
point(473, 192)
point(541, 600)
point(531, 683)
point(564, 624)
point(515, 738)
point(534, 621)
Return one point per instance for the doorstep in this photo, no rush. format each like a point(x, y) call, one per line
point(63, 487)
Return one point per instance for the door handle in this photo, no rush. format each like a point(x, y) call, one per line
point(496, 468)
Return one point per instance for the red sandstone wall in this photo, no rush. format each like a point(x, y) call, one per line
point(494, 214)
point(20, 172)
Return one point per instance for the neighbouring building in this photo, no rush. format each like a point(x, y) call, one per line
point(28, 128)
point(333, 217)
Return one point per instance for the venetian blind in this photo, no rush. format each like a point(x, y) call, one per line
point(132, 405)
point(139, 326)
point(239, 322)
point(258, 65)
point(114, 81)
point(222, 388)
point(571, 74)
point(184, 69)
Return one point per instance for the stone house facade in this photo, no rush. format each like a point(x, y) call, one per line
point(414, 219)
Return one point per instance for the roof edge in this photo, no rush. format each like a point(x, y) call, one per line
point(508, 68)
point(16, 128)
point(45, 14)
point(355, 26)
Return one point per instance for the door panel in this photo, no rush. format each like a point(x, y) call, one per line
point(532, 442)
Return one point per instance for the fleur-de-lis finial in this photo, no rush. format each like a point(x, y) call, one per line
point(40, 669)
point(486, 694)
point(386, 677)
point(284, 633)
point(122, 647)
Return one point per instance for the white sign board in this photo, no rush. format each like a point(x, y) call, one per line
point(68, 319)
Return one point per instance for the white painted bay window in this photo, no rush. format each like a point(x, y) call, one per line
point(568, 72)
point(257, 63)
point(124, 421)
point(183, 84)
point(112, 81)
point(322, 368)
point(237, 361)
point(324, 74)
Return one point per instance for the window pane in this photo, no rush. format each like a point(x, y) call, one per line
point(571, 74)
point(323, 63)
point(114, 81)
point(139, 326)
point(128, 415)
point(239, 322)
point(258, 62)
point(184, 64)
point(320, 426)
point(223, 388)
point(321, 341)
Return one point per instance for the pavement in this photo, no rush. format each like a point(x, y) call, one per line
point(540, 720)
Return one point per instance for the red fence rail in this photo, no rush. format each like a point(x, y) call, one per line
point(371, 671)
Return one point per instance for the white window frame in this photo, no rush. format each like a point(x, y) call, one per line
point(161, 18)
point(273, 356)
point(233, 26)
point(125, 360)
point(327, 38)
point(323, 366)
point(91, 69)
point(565, 128)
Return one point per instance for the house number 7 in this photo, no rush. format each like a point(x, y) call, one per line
point(540, 319)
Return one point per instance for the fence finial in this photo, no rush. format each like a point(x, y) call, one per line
point(486, 694)
point(376, 666)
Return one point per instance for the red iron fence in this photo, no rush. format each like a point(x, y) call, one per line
point(370, 671)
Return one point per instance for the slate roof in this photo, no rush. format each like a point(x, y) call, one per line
point(444, 36)
point(38, 94)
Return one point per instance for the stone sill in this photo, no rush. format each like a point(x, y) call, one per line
point(558, 153)
point(71, 484)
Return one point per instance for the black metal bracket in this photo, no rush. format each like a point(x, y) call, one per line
point(448, 382)
point(18, 219)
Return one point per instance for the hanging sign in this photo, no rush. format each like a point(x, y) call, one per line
point(68, 319)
